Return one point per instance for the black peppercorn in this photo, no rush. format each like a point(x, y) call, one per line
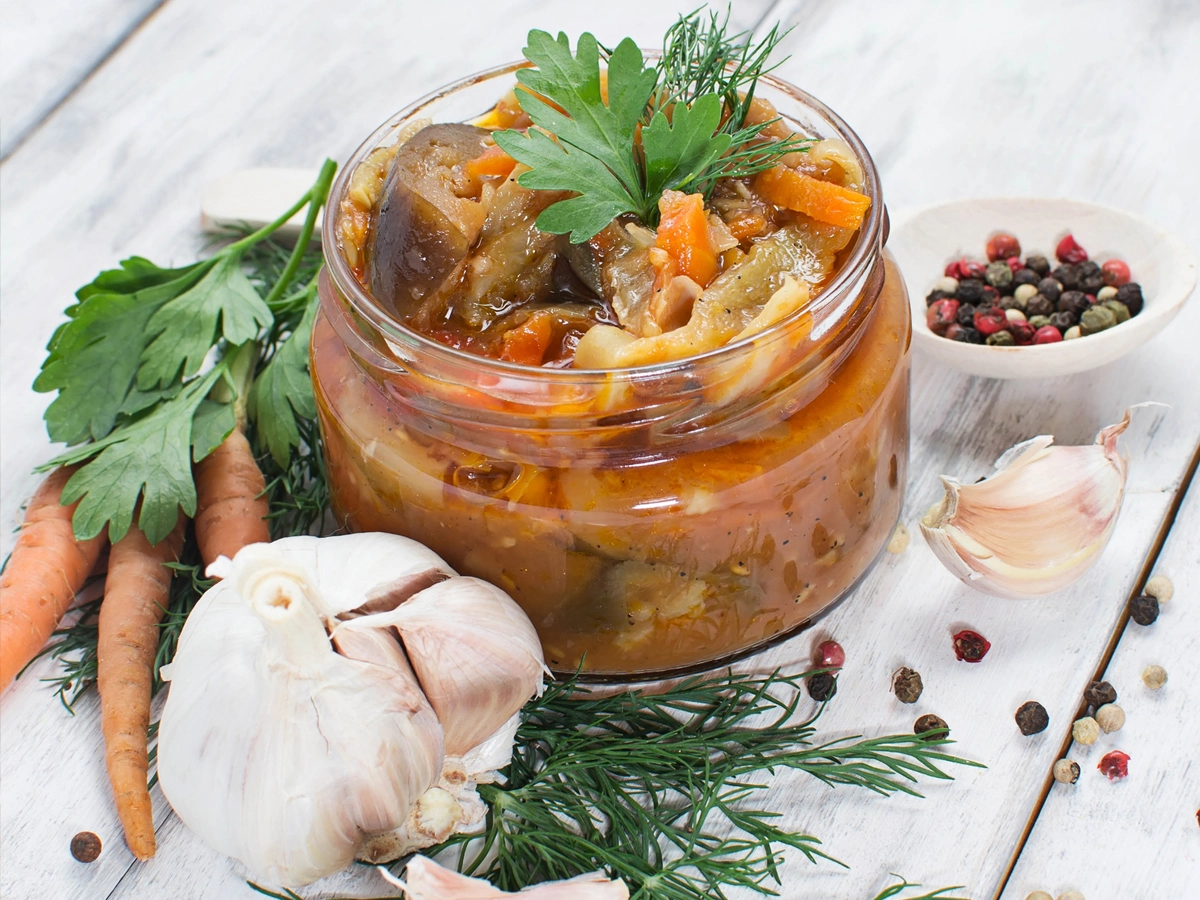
point(1143, 609)
point(969, 336)
point(1032, 717)
point(1100, 692)
point(85, 847)
point(1063, 320)
point(821, 686)
point(966, 315)
point(1039, 305)
point(1038, 263)
point(1024, 276)
point(970, 290)
point(1068, 276)
point(1090, 278)
point(1050, 288)
point(931, 728)
point(907, 685)
point(1131, 295)
point(934, 296)
point(1073, 301)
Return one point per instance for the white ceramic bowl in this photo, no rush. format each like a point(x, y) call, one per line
point(925, 241)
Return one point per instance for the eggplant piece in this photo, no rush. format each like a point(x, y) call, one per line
point(428, 217)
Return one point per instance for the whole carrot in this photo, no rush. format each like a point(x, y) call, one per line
point(136, 592)
point(46, 569)
point(231, 503)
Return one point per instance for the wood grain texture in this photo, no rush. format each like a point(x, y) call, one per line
point(48, 47)
point(207, 88)
point(1137, 837)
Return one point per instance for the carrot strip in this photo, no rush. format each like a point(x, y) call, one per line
point(822, 200)
point(136, 592)
point(493, 161)
point(683, 233)
point(231, 501)
point(528, 342)
point(46, 569)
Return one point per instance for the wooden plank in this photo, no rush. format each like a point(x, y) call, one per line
point(1138, 837)
point(48, 47)
point(205, 88)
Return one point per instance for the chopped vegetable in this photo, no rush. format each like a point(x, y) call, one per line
point(683, 232)
point(823, 200)
point(493, 161)
point(47, 567)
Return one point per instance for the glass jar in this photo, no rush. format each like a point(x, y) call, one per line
point(649, 520)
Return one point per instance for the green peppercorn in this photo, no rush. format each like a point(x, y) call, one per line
point(1001, 339)
point(931, 728)
point(907, 685)
point(1037, 322)
point(1143, 609)
point(1096, 319)
point(1032, 717)
point(999, 276)
point(1119, 309)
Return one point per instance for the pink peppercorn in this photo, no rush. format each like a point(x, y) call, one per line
point(971, 646)
point(1015, 264)
point(1069, 251)
point(1091, 299)
point(1022, 332)
point(1047, 334)
point(953, 270)
point(1002, 246)
point(972, 269)
point(990, 320)
point(830, 655)
point(1114, 764)
point(941, 315)
point(1115, 273)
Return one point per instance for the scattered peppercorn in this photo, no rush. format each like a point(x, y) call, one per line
point(1032, 717)
point(1099, 692)
point(1093, 320)
point(1114, 764)
point(928, 725)
point(1160, 588)
point(86, 847)
point(971, 646)
point(1038, 263)
point(821, 686)
point(1110, 718)
point(830, 655)
point(907, 685)
point(1131, 295)
point(1066, 771)
point(1143, 609)
point(1002, 246)
point(1154, 677)
point(1069, 251)
point(1085, 730)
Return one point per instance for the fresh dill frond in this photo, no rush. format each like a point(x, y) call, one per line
point(894, 890)
point(659, 789)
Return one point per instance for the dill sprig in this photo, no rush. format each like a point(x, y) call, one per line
point(658, 788)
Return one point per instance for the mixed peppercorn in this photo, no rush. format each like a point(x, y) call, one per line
point(1010, 302)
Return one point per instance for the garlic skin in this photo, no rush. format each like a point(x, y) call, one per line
point(298, 733)
point(426, 880)
point(1038, 523)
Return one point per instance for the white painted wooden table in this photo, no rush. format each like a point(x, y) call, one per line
point(117, 113)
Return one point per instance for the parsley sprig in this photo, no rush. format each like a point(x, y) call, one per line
point(155, 366)
point(679, 126)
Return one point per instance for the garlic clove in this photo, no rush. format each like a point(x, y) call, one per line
point(273, 747)
point(426, 880)
point(475, 652)
point(1038, 523)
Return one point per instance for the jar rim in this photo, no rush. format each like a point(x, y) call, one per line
point(851, 275)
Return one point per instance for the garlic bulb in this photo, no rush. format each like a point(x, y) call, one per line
point(426, 880)
point(1038, 523)
point(298, 732)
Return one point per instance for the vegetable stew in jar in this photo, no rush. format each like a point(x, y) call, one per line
point(673, 428)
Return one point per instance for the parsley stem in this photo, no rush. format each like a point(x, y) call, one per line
point(271, 227)
point(316, 199)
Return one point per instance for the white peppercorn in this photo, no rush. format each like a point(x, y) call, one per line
point(1085, 730)
point(1039, 895)
point(1014, 315)
point(950, 285)
point(1160, 588)
point(1110, 718)
point(1026, 292)
point(1072, 333)
point(1108, 292)
point(1071, 895)
point(1154, 677)
point(1066, 771)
